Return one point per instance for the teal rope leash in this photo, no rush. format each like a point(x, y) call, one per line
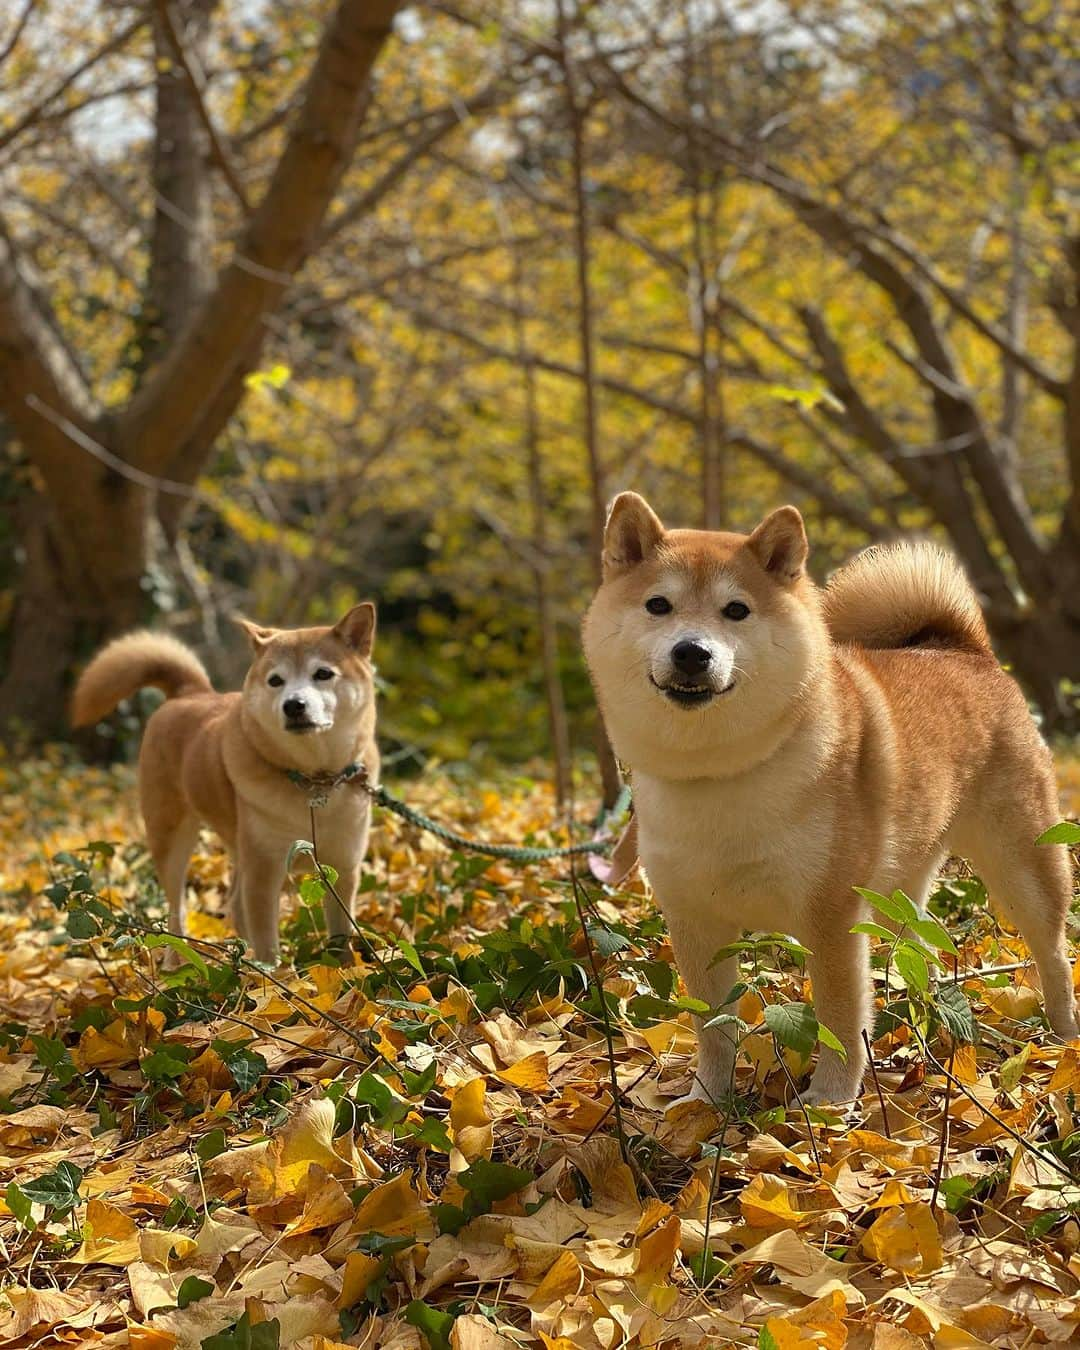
point(320, 786)
point(512, 852)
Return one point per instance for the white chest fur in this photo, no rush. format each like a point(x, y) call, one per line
point(750, 849)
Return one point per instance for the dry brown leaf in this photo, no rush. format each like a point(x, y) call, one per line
point(110, 1237)
point(326, 1203)
point(476, 1333)
point(393, 1209)
point(774, 1202)
point(470, 1124)
point(40, 1310)
point(905, 1239)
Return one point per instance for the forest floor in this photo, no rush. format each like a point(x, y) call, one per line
point(450, 1139)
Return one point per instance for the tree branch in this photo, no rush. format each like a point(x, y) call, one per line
point(806, 480)
point(990, 330)
point(40, 108)
point(35, 362)
point(940, 483)
point(441, 127)
point(280, 236)
point(17, 32)
point(181, 269)
point(956, 416)
point(196, 83)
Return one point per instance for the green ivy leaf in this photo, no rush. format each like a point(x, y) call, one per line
point(875, 930)
point(487, 1182)
point(312, 890)
point(210, 1145)
point(432, 1132)
point(607, 941)
point(244, 1336)
point(408, 951)
point(192, 1290)
point(247, 1067)
point(378, 1244)
point(58, 1190)
point(387, 1107)
point(832, 1040)
point(706, 1267)
point(450, 1218)
point(956, 1192)
point(1043, 1224)
point(53, 1055)
point(435, 1325)
point(165, 1064)
point(81, 925)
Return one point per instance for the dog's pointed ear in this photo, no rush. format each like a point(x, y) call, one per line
point(780, 544)
point(256, 635)
point(632, 533)
point(357, 628)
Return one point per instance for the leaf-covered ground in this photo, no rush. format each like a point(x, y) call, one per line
point(449, 1139)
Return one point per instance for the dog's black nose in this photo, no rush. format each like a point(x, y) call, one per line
point(294, 707)
point(690, 658)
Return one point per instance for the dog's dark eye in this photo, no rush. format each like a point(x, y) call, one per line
point(657, 604)
point(276, 681)
point(735, 609)
point(324, 673)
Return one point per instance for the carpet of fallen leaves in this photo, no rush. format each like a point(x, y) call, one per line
point(420, 1143)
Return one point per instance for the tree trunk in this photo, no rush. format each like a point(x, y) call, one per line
point(180, 273)
point(85, 542)
point(1043, 651)
point(558, 729)
point(75, 591)
point(704, 288)
point(610, 778)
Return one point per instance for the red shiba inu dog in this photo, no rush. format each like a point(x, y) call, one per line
point(248, 764)
point(788, 744)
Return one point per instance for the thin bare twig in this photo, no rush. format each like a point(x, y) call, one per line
point(17, 32)
point(40, 108)
point(877, 1084)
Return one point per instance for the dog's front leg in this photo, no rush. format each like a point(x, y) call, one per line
point(839, 968)
point(695, 945)
point(260, 877)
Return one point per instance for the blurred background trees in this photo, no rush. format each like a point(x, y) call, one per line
point(302, 303)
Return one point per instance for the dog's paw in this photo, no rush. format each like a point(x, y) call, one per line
point(268, 962)
point(700, 1093)
point(828, 1092)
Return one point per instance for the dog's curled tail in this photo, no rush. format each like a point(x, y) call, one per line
point(905, 595)
point(131, 663)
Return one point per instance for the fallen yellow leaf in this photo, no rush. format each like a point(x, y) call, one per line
point(905, 1239)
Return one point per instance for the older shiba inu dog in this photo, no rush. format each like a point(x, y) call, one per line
point(248, 764)
point(788, 744)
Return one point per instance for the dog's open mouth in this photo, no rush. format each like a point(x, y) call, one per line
point(691, 695)
point(301, 724)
